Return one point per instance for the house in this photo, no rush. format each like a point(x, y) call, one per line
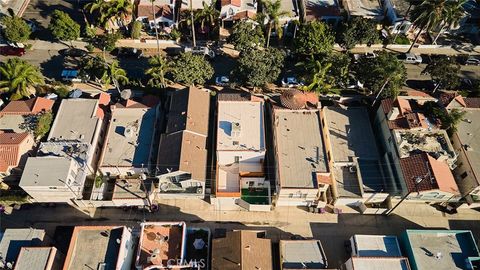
point(396, 12)
point(242, 250)
point(301, 160)
point(327, 11)
point(354, 160)
point(368, 9)
point(375, 252)
point(240, 152)
point(182, 153)
point(164, 13)
point(38, 258)
point(27, 107)
point(466, 143)
point(161, 246)
point(13, 240)
point(440, 249)
point(302, 254)
point(231, 10)
point(100, 247)
point(129, 139)
point(14, 150)
point(193, 4)
point(417, 154)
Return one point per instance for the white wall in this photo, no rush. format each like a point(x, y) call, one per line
point(122, 171)
point(228, 157)
point(127, 250)
point(289, 196)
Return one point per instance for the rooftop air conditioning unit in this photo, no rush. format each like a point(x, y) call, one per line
point(236, 129)
point(352, 169)
point(128, 132)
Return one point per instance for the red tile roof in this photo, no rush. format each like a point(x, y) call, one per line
point(103, 101)
point(416, 93)
point(9, 149)
point(236, 3)
point(30, 106)
point(387, 105)
point(246, 14)
point(472, 102)
point(435, 174)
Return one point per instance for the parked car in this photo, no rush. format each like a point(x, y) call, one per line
point(291, 82)
point(9, 50)
point(368, 55)
point(128, 52)
point(201, 50)
point(73, 52)
point(222, 80)
point(32, 25)
point(410, 58)
point(70, 75)
point(473, 60)
point(352, 83)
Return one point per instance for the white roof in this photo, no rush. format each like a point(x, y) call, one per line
point(377, 246)
point(46, 171)
point(360, 263)
point(240, 126)
point(76, 119)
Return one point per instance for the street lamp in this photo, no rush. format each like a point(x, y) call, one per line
point(417, 181)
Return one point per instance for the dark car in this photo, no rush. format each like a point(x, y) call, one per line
point(9, 50)
point(128, 52)
point(73, 52)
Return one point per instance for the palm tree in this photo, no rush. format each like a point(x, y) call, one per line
point(109, 11)
point(18, 77)
point(158, 68)
point(208, 15)
point(113, 73)
point(453, 13)
point(273, 12)
point(426, 16)
point(319, 79)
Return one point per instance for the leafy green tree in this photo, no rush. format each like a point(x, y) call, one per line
point(259, 67)
point(325, 74)
point(319, 80)
point(63, 27)
point(136, 30)
point(113, 73)
point(445, 72)
point(208, 15)
point(159, 67)
point(109, 41)
point(314, 38)
point(44, 122)
point(18, 78)
point(273, 14)
point(358, 31)
point(340, 68)
point(383, 75)
point(15, 29)
point(426, 16)
point(110, 11)
point(246, 36)
point(191, 69)
point(92, 67)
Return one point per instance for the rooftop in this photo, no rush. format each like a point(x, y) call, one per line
point(435, 174)
point(92, 247)
point(35, 258)
point(129, 137)
point(370, 9)
point(300, 150)
point(241, 250)
point(240, 126)
point(316, 9)
point(30, 106)
point(162, 9)
point(10, 150)
point(302, 254)
point(367, 263)
point(13, 240)
point(47, 171)
point(161, 243)
point(377, 246)
point(76, 119)
point(291, 7)
point(350, 133)
point(15, 123)
point(469, 136)
point(440, 249)
point(131, 189)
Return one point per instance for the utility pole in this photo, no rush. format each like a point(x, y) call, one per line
point(193, 24)
point(155, 24)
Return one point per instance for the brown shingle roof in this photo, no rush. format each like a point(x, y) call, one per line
point(472, 102)
point(387, 105)
point(241, 250)
point(145, 10)
point(30, 106)
point(10, 149)
point(435, 174)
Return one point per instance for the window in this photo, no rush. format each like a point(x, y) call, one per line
point(464, 175)
point(237, 159)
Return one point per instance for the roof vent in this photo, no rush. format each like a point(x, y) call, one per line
point(468, 147)
point(469, 121)
point(236, 129)
point(128, 132)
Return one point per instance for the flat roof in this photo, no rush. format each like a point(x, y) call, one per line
point(367, 263)
point(377, 246)
point(300, 150)
point(440, 249)
point(92, 246)
point(76, 119)
point(296, 254)
point(468, 134)
point(365, 8)
point(14, 239)
point(131, 189)
point(129, 137)
point(35, 258)
point(351, 134)
point(46, 171)
point(161, 242)
point(240, 126)
point(13, 123)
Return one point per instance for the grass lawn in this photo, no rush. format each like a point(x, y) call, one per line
point(255, 196)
